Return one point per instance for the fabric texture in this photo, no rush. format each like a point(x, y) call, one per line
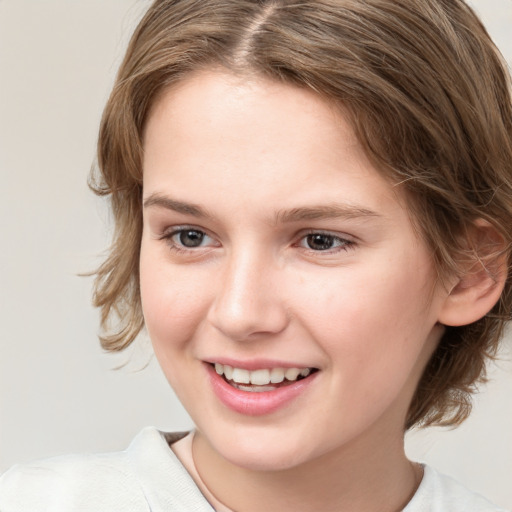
point(148, 477)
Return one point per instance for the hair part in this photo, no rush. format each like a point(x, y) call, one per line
point(427, 93)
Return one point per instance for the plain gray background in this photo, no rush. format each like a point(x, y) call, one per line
point(58, 392)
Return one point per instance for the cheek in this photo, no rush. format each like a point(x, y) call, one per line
point(173, 302)
point(377, 339)
point(364, 298)
point(374, 318)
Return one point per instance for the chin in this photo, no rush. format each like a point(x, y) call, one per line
point(262, 450)
point(263, 459)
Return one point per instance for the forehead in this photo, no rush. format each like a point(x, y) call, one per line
point(218, 126)
point(216, 107)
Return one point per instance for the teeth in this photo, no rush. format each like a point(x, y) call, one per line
point(241, 376)
point(228, 371)
point(305, 372)
point(262, 377)
point(276, 375)
point(257, 389)
point(292, 373)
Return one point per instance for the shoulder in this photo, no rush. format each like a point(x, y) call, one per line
point(74, 482)
point(441, 493)
point(91, 482)
point(146, 477)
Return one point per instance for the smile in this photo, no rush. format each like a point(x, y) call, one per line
point(266, 379)
point(260, 390)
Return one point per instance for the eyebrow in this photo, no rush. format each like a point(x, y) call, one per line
point(174, 205)
point(324, 212)
point(281, 217)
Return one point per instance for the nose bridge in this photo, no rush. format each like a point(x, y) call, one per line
point(249, 300)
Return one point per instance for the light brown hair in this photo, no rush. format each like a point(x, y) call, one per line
point(427, 93)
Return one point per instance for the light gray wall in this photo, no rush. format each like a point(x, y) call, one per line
point(58, 391)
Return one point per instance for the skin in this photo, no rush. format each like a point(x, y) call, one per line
point(364, 312)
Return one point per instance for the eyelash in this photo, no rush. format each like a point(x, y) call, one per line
point(342, 244)
point(168, 236)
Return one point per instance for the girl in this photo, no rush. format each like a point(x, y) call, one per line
point(312, 202)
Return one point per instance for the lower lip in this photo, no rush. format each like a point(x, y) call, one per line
point(256, 403)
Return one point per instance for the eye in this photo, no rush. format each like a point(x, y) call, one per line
point(324, 242)
point(189, 237)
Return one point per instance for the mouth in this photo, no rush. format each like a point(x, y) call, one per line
point(261, 380)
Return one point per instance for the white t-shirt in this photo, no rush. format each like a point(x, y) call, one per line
point(148, 477)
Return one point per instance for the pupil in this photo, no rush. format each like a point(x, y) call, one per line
point(320, 242)
point(191, 238)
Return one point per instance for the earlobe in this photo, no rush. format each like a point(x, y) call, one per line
point(481, 280)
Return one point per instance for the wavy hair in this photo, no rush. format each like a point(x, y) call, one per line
point(428, 95)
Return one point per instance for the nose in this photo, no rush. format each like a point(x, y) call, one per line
point(249, 302)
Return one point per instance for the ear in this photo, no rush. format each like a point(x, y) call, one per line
point(482, 277)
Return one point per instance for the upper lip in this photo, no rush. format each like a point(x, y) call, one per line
point(256, 364)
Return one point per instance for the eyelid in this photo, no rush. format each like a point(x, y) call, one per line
point(170, 232)
point(177, 228)
point(344, 240)
point(327, 232)
point(347, 241)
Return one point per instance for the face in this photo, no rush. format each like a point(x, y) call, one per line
point(289, 300)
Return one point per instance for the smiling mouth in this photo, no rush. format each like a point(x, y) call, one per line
point(257, 381)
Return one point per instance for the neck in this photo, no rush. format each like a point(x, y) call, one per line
point(381, 479)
